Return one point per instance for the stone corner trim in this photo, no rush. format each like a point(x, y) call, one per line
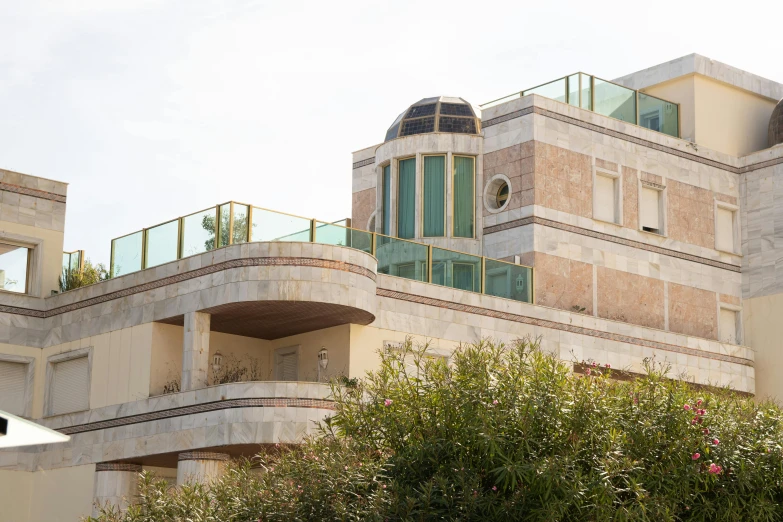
point(26, 191)
point(203, 455)
point(545, 323)
point(535, 220)
point(118, 466)
point(363, 163)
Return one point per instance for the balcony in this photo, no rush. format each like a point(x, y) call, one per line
point(608, 99)
point(234, 223)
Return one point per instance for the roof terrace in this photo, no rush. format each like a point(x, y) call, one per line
point(608, 99)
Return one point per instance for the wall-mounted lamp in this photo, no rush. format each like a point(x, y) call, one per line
point(217, 361)
point(323, 361)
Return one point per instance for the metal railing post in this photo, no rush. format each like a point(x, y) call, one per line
point(312, 231)
point(429, 263)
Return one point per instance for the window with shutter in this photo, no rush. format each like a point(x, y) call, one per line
point(287, 364)
point(12, 387)
point(605, 204)
point(650, 210)
point(724, 229)
point(70, 386)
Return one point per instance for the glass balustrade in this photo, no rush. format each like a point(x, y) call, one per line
point(608, 99)
point(235, 223)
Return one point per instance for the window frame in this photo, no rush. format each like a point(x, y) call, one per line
point(662, 205)
point(381, 210)
point(618, 195)
point(738, 331)
point(735, 233)
point(286, 350)
point(51, 361)
point(32, 253)
point(396, 177)
point(445, 157)
point(454, 194)
point(29, 383)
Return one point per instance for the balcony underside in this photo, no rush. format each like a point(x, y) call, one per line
point(276, 319)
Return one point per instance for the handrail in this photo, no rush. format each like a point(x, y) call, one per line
point(392, 255)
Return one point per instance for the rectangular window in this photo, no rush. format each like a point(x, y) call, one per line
point(434, 196)
point(650, 210)
point(386, 201)
point(406, 199)
point(407, 270)
point(14, 263)
point(728, 326)
point(464, 196)
point(70, 386)
point(13, 376)
point(605, 207)
point(724, 229)
point(287, 364)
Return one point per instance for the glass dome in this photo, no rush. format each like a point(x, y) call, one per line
point(439, 114)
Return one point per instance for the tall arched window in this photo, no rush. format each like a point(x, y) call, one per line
point(464, 196)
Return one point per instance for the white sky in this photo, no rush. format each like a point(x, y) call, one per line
point(152, 109)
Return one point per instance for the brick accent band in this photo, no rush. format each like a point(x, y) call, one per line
point(225, 265)
point(545, 323)
point(360, 164)
point(118, 466)
point(535, 220)
point(203, 455)
point(633, 139)
point(25, 191)
point(277, 402)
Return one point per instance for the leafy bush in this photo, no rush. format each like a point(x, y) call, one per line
point(507, 433)
point(89, 275)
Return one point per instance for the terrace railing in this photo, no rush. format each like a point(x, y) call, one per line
point(608, 99)
point(233, 223)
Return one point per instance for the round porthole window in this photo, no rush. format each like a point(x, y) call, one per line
point(497, 193)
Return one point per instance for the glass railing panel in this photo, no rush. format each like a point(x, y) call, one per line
point(241, 214)
point(507, 280)
point(198, 232)
point(276, 226)
point(573, 90)
point(331, 234)
point(555, 90)
point(126, 254)
point(587, 91)
point(659, 115)
point(66, 261)
point(615, 101)
point(224, 214)
point(76, 261)
point(401, 258)
point(162, 244)
point(456, 270)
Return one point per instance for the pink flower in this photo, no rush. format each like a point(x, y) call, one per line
point(607, 365)
point(588, 372)
point(714, 469)
point(701, 412)
point(686, 407)
point(706, 431)
point(494, 488)
point(495, 401)
point(384, 486)
point(387, 402)
point(715, 441)
point(698, 403)
point(594, 364)
point(696, 456)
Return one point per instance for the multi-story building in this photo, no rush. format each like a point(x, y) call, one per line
point(614, 221)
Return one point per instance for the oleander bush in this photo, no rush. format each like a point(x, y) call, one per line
point(505, 433)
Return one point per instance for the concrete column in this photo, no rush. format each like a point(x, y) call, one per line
point(200, 466)
point(195, 351)
point(115, 484)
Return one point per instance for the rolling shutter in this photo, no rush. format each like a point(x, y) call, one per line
point(650, 209)
point(70, 386)
point(12, 387)
point(605, 199)
point(287, 366)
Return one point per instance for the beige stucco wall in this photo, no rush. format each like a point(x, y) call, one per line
point(717, 115)
point(336, 340)
point(763, 331)
point(55, 495)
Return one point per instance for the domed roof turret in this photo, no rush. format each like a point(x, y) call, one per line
point(439, 114)
point(775, 134)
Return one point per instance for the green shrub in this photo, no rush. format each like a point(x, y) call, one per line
point(90, 274)
point(507, 433)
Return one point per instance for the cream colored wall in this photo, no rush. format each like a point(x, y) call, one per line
point(763, 331)
point(336, 340)
point(120, 366)
point(367, 341)
point(52, 252)
point(56, 495)
point(680, 90)
point(718, 116)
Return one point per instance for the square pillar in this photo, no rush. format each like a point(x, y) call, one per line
point(195, 351)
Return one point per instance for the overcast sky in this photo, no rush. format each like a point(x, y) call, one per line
point(152, 109)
